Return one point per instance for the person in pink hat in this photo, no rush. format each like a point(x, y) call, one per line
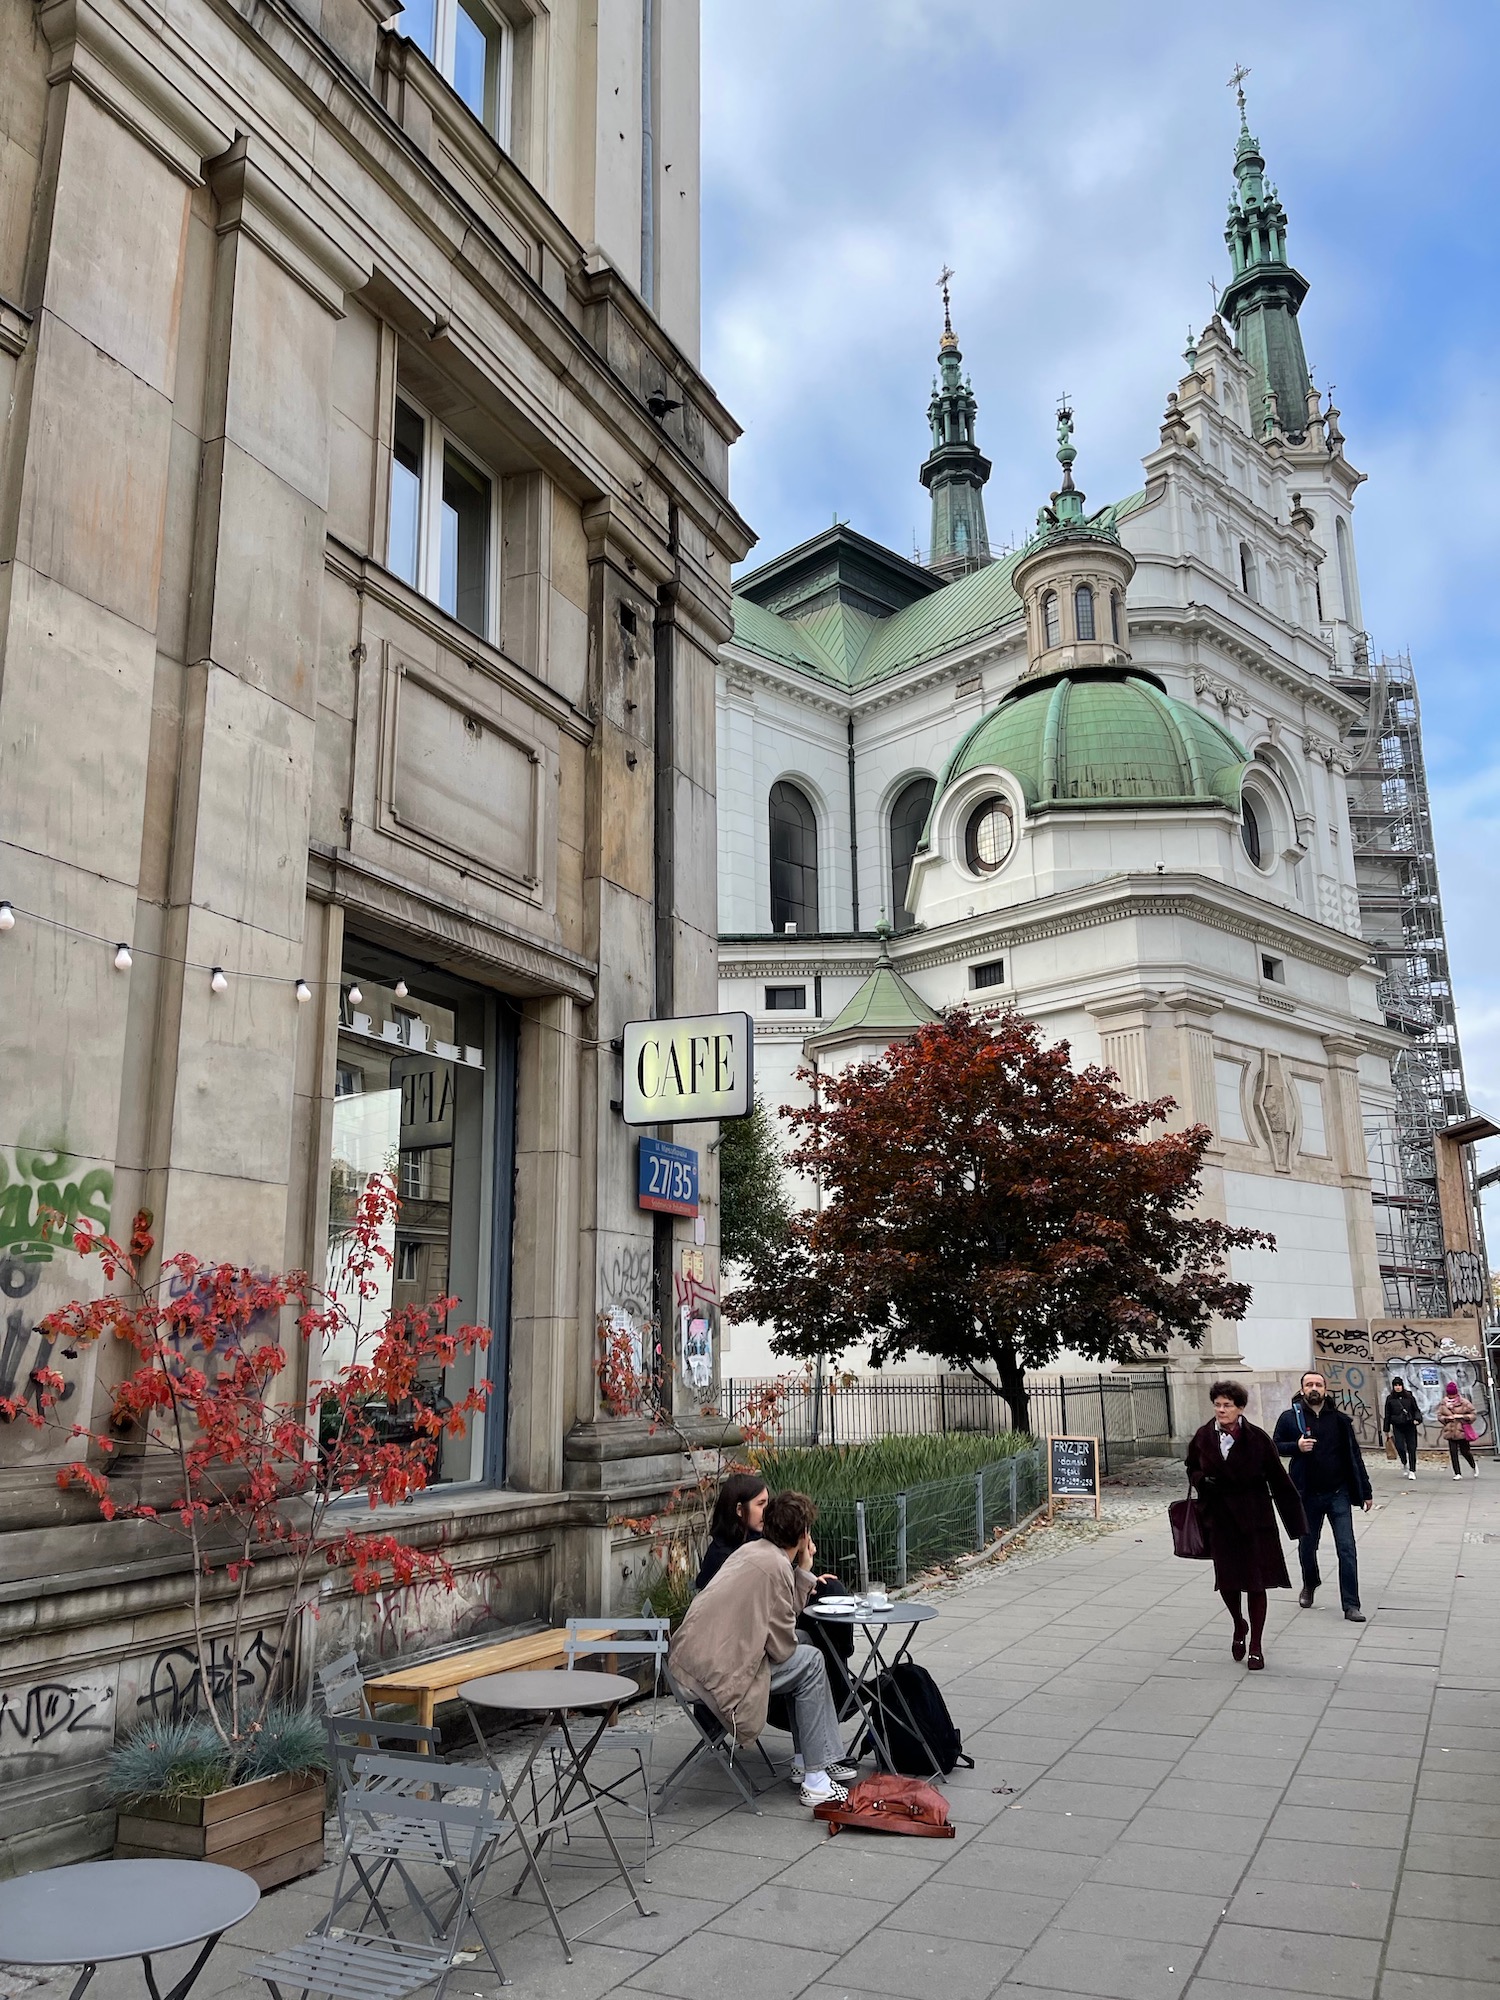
point(1456, 1414)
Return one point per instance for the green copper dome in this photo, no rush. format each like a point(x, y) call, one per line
point(1105, 740)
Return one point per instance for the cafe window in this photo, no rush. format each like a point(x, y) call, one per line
point(424, 1094)
point(441, 538)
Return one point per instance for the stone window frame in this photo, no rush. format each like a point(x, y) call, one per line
point(438, 439)
point(443, 57)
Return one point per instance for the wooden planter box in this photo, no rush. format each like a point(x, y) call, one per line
point(272, 1828)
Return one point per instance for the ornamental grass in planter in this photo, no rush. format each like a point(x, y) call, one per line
point(182, 1792)
point(254, 1461)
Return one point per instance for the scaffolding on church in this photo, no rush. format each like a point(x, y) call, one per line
point(1395, 867)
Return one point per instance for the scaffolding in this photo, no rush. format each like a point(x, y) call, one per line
point(1401, 911)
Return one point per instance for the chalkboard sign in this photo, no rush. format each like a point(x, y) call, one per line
point(1072, 1471)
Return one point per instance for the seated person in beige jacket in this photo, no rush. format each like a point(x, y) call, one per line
point(739, 1641)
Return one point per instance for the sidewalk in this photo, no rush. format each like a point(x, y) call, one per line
point(1145, 1820)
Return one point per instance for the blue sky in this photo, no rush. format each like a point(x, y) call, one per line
point(1073, 165)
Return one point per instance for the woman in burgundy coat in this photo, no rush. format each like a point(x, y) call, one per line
point(1243, 1486)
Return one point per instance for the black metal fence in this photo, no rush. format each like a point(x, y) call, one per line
point(1129, 1410)
point(891, 1538)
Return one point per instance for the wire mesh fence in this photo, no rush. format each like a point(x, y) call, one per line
point(1128, 1410)
point(889, 1538)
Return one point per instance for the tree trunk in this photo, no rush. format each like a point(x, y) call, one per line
point(1013, 1386)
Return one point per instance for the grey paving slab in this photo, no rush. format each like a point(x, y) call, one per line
point(1339, 1823)
point(1067, 1833)
point(750, 1969)
point(1335, 1908)
point(1349, 1794)
point(1329, 1862)
point(1447, 1898)
point(1004, 1870)
point(1144, 1866)
point(887, 1872)
point(1166, 1916)
point(1457, 1950)
point(1293, 1962)
point(1460, 1787)
point(782, 1912)
point(1482, 1822)
point(1099, 1801)
point(1240, 1795)
point(1127, 1969)
point(1431, 1986)
point(916, 1966)
point(944, 1910)
point(1222, 1833)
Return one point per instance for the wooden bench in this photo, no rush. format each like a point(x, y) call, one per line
point(424, 1686)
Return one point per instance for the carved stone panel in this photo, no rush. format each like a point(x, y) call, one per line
point(460, 784)
point(1274, 1110)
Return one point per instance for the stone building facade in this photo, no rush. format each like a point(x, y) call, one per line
point(364, 556)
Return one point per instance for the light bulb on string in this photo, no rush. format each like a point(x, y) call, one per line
point(402, 989)
point(355, 996)
point(123, 960)
point(218, 983)
point(7, 917)
point(304, 991)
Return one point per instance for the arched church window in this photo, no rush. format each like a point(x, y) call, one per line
point(1114, 617)
point(794, 859)
point(1346, 568)
point(989, 836)
point(961, 538)
point(1247, 571)
point(1083, 612)
point(1051, 621)
point(908, 817)
point(1250, 830)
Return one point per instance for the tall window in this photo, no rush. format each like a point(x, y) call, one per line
point(424, 1095)
point(470, 47)
point(1051, 622)
point(442, 526)
point(1083, 612)
point(1114, 617)
point(1250, 829)
point(908, 817)
point(1248, 582)
point(794, 860)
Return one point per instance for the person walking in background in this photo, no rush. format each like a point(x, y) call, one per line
point(1243, 1486)
point(1402, 1416)
point(1456, 1414)
point(1327, 1468)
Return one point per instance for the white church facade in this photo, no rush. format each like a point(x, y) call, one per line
point(1100, 780)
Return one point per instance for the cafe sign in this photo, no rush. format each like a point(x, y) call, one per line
point(688, 1071)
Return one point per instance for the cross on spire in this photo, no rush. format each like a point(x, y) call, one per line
point(1236, 83)
point(943, 278)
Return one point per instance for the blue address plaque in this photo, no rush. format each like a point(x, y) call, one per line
point(667, 1178)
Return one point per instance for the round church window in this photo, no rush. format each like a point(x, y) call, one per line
point(989, 836)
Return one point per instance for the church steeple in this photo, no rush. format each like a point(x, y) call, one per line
point(955, 470)
point(1265, 293)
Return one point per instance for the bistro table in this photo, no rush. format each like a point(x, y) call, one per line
point(96, 1912)
point(554, 1696)
point(863, 1694)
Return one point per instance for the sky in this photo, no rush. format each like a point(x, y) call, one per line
point(1073, 164)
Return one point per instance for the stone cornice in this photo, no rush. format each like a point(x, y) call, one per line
point(1202, 622)
point(462, 941)
point(15, 327)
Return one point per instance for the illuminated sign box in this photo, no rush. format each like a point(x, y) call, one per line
point(688, 1071)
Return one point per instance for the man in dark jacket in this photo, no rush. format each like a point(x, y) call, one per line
point(1402, 1416)
point(1328, 1470)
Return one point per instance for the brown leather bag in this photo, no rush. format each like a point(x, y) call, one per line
point(891, 1805)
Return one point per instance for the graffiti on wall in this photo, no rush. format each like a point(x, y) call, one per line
point(174, 1679)
point(697, 1301)
point(1360, 1364)
point(54, 1723)
point(34, 1179)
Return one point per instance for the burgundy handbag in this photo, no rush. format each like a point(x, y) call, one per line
point(1189, 1537)
point(891, 1805)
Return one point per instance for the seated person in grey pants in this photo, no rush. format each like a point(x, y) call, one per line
point(739, 1641)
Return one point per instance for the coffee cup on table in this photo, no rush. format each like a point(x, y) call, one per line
point(878, 1600)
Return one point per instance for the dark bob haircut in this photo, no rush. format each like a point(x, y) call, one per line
point(1237, 1393)
point(789, 1516)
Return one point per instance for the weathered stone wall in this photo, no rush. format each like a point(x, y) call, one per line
point(232, 737)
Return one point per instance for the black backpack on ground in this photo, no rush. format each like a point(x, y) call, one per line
point(914, 1687)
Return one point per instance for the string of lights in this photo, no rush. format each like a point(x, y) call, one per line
point(303, 989)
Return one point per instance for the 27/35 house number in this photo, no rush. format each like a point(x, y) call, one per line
point(667, 1178)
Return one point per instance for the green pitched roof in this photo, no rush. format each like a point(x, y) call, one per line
point(884, 1005)
point(852, 649)
point(1108, 739)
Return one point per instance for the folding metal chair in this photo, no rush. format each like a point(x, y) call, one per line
point(352, 1738)
point(714, 1745)
point(408, 1833)
point(339, 1686)
point(627, 1639)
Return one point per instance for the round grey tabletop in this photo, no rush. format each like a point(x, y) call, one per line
point(548, 1689)
point(96, 1911)
point(891, 1614)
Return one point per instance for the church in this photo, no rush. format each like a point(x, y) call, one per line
point(1100, 779)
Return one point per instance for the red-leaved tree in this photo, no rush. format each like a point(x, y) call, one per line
point(247, 1473)
point(987, 1203)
